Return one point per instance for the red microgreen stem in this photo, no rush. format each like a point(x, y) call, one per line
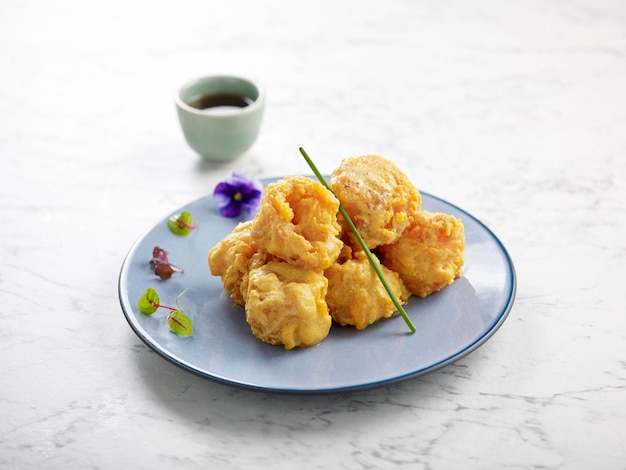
point(183, 224)
point(367, 251)
point(157, 305)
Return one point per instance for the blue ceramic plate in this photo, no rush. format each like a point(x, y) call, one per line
point(450, 324)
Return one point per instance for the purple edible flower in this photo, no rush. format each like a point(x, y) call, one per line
point(236, 193)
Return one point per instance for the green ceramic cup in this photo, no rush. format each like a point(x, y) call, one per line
point(230, 125)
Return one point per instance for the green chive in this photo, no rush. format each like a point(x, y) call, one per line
point(367, 251)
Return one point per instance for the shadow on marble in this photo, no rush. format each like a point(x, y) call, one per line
point(198, 400)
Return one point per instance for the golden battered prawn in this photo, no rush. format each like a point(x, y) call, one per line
point(230, 259)
point(355, 294)
point(297, 222)
point(379, 198)
point(429, 255)
point(286, 305)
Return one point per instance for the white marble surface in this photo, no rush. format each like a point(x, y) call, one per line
point(516, 111)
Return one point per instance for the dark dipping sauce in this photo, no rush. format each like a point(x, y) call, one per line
point(221, 100)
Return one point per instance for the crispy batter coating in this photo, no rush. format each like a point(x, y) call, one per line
point(230, 259)
point(259, 259)
point(297, 222)
point(429, 255)
point(355, 294)
point(286, 305)
point(378, 197)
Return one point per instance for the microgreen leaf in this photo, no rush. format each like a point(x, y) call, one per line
point(164, 271)
point(161, 265)
point(367, 251)
point(180, 323)
point(181, 224)
point(159, 255)
point(178, 320)
point(149, 302)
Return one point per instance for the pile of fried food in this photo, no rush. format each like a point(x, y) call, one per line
point(297, 266)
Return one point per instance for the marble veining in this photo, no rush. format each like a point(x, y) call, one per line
point(515, 111)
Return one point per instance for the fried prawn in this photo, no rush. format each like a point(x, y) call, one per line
point(230, 259)
point(429, 256)
point(355, 294)
point(379, 198)
point(285, 305)
point(297, 222)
